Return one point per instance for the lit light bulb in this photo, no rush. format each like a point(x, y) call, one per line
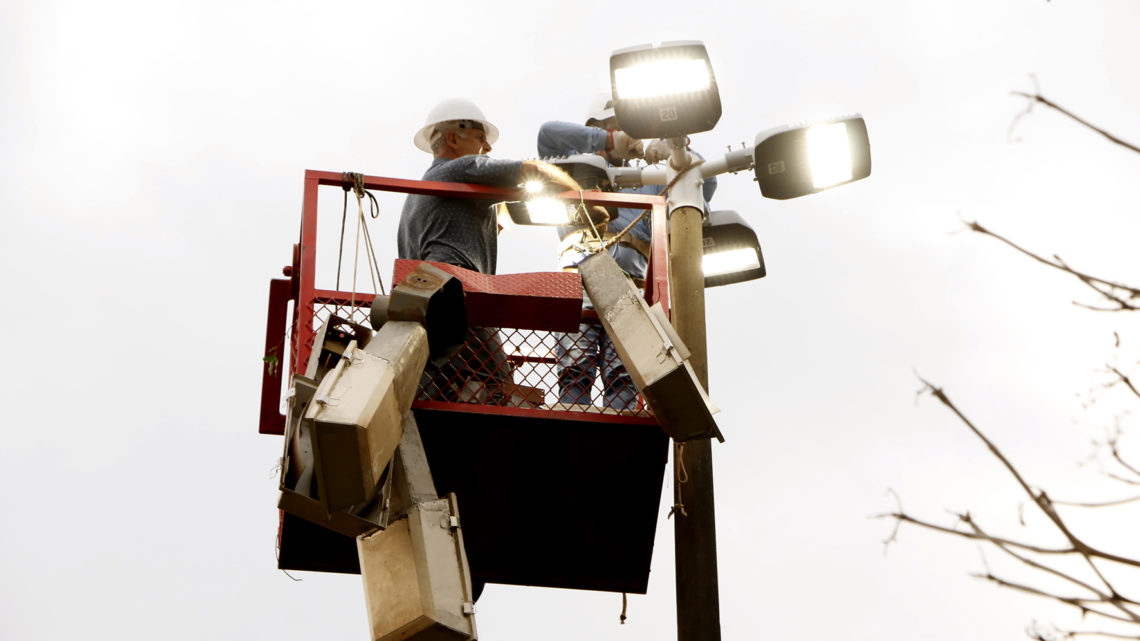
point(733, 260)
point(548, 211)
point(662, 77)
point(829, 154)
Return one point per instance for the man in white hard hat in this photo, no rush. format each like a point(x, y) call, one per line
point(464, 231)
point(582, 356)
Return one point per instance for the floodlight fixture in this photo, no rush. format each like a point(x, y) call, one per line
point(549, 211)
point(542, 211)
point(731, 251)
point(664, 91)
point(539, 208)
point(798, 160)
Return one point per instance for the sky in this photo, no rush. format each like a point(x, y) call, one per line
point(151, 165)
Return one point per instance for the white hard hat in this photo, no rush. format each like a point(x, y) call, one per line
point(454, 109)
point(601, 108)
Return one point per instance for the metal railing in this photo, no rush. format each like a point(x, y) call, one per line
point(500, 370)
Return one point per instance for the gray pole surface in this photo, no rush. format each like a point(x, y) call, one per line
point(698, 597)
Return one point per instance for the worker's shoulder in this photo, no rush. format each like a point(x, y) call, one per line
point(473, 168)
point(554, 125)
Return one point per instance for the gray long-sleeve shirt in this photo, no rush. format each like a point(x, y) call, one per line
point(457, 231)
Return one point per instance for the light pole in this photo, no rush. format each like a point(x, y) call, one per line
point(668, 91)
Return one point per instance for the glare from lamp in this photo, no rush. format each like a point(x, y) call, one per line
point(533, 186)
point(829, 154)
point(548, 211)
point(661, 77)
point(733, 260)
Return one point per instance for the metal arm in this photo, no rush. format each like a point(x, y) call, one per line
point(733, 161)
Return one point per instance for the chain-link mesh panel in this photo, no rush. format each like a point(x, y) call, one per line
point(518, 368)
point(507, 367)
point(321, 313)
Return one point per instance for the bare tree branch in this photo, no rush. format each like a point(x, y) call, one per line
point(1105, 288)
point(1039, 566)
point(1111, 597)
point(906, 518)
point(1037, 97)
point(1127, 382)
point(1103, 599)
point(1040, 499)
point(1115, 503)
point(1085, 605)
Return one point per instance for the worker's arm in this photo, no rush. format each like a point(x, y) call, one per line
point(558, 180)
point(559, 138)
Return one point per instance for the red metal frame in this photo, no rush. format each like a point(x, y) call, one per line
point(302, 291)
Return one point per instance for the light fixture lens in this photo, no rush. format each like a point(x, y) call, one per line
point(661, 77)
point(733, 260)
point(829, 154)
point(548, 211)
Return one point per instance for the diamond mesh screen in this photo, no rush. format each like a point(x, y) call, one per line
point(516, 368)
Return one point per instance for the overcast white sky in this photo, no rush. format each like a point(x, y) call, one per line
point(152, 156)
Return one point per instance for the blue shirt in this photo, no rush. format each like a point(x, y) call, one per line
point(458, 231)
point(565, 139)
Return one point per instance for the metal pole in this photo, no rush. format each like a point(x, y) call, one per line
point(698, 598)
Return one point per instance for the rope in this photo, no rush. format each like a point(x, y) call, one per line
point(343, 217)
point(682, 477)
point(616, 238)
point(586, 213)
point(355, 182)
point(682, 171)
point(624, 604)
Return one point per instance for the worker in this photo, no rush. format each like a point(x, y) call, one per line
point(582, 355)
point(464, 232)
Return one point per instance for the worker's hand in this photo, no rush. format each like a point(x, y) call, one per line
point(624, 146)
point(657, 151)
point(599, 216)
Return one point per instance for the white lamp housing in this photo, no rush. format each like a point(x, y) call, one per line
point(664, 91)
point(797, 160)
point(588, 170)
point(731, 251)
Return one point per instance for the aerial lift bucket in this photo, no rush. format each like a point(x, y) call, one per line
point(553, 494)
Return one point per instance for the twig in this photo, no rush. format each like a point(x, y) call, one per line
point(1041, 499)
point(1101, 286)
point(1127, 382)
point(1037, 97)
point(1103, 504)
point(893, 538)
point(1114, 448)
point(1111, 597)
point(1076, 602)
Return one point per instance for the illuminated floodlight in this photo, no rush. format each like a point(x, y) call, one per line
point(541, 210)
point(731, 251)
point(657, 78)
point(828, 156)
point(549, 211)
point(664, 91)
point(733, 260)
point(797, 160)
